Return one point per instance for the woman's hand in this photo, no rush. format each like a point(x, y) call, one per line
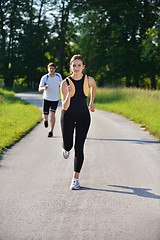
point(92, 85)
point(69, 89)
point(66, 91)
point(91, 107)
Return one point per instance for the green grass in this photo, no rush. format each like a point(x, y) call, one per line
point(141, 106)
point(16, 118)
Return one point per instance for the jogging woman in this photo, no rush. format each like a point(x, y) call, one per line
point(75, 114)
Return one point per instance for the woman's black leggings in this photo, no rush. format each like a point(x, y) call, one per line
point(80, 122)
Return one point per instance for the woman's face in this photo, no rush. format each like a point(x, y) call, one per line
point(77, 67)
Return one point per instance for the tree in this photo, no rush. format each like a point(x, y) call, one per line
point(119, 28)
point(118, 39)
point(35, 32)
point(150, 55)
point(10, 23)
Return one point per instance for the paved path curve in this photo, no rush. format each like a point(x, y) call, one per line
point(120, 195)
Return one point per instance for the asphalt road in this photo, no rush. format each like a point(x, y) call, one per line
point(120, 179)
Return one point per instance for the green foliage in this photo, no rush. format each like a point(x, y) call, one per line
point(115, 40)
point(118, 39)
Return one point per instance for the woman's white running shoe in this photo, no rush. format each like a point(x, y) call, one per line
point(75, 184)
point(66, 154)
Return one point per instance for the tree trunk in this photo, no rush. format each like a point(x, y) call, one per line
point(62, 35)
point(153, 81)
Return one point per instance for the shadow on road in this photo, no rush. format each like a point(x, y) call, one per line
point(140, 192)
point(126, 140)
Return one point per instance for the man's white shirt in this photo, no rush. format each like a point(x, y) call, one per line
point(52, 92)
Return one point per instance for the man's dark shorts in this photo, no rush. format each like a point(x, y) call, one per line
point(49, 105)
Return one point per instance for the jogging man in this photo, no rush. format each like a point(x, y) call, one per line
point(49, 85)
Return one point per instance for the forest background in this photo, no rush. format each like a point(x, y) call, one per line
point(118, 39)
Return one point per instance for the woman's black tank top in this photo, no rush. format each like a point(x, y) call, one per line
point(79, 100)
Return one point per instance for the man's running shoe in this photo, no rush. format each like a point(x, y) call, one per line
point(66, 154)
point(50, 134)
point(45, 123)
point(75, 184)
